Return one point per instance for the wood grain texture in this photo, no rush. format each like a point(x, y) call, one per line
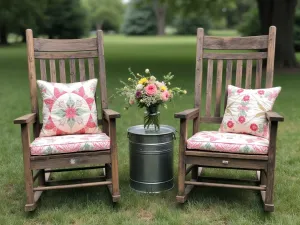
point(210, 184)
point(274, 116)
point(249, 55)
point(65, 55)
point(26, 119)
point(81, 69)
point(228, 80)
point(258, 75)
point(270, 172)
point(181, 162)
point(226, 155)
point(32, 80)
point(102, 70)
point(248, 74)
point(114, 158)
point(231, 163)
point(91, 68)
point(52, 70)
point(66, 186)
point(110, 114)
point(239, 73)
point(43, 69)
point(72, 71)
point(254, 42)
point(188, 114)
point(198, 76)
point(64, 45)
point(70, 160)
point(218, 88)
point(25, 133)
point(62, 71)
point(271, 57)
point(210, 66)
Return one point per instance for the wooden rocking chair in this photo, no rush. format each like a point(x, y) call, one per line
point(61, 50)
point(197, 159)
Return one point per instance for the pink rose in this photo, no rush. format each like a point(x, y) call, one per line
point(242, 119)
point(165, 96)
point(240, 90)
point(253, 127)
point(246, 98)
point(151, 89)
point(230, 124)
point(261, 92)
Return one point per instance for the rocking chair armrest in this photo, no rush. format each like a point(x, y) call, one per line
point(274, 116)
point(188, 114)
point(26, 119)
point(110, 114)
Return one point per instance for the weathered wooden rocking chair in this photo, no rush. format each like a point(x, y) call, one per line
point(43, 165)
point(197, 159)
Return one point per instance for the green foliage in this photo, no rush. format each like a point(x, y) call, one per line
point(139, 20)
point(187, 25)
point(64, 19)
point(104, 13)
point(250, 25)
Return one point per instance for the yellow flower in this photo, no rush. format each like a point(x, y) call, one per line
point(163, 88)
point(143, 81)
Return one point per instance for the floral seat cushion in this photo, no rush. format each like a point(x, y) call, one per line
point(69, 143)
point(228, 142)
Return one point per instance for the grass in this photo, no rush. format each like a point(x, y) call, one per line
point(93, 205)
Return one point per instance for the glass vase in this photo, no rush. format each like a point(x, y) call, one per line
point(151, 117)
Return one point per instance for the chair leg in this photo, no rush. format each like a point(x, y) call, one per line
point(115, 182)
point(268, 203)
point(30, 202)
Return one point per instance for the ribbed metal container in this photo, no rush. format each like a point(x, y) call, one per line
point(151, 158)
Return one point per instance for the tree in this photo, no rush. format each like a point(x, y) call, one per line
point(16, 17)
point(139, 20)
point(64, 19)
point(280, 13)
point(101, 11)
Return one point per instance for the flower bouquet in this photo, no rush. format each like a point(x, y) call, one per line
point(146, 91)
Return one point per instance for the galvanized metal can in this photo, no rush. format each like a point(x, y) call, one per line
point(151, 158)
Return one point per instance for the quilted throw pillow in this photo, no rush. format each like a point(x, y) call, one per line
point(69, 108)
point(246, 108)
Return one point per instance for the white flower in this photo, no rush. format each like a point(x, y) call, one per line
point(139, 87)
point(158, 84)
point(147, 71)
point(153, 78)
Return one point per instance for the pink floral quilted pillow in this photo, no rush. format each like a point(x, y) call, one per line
point(69, 108)
point(246, 109)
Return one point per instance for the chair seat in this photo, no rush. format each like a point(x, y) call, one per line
point(69, 143)
point(228, 142)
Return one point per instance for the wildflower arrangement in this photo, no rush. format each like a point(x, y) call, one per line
point(146, 91)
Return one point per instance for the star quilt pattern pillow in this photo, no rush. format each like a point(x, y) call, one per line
point(246, 110)
point(69, 108)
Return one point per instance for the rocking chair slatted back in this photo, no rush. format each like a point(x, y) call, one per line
point(54, 55)
point(243, 76)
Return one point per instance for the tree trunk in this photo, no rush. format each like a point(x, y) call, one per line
point(3, 34)
point(99, 25)
point(160, 10)
point(280, 13)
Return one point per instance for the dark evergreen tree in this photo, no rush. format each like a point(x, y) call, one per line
point(64, 19)
point(139, 20)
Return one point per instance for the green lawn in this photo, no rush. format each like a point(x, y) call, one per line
point(93, 205)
